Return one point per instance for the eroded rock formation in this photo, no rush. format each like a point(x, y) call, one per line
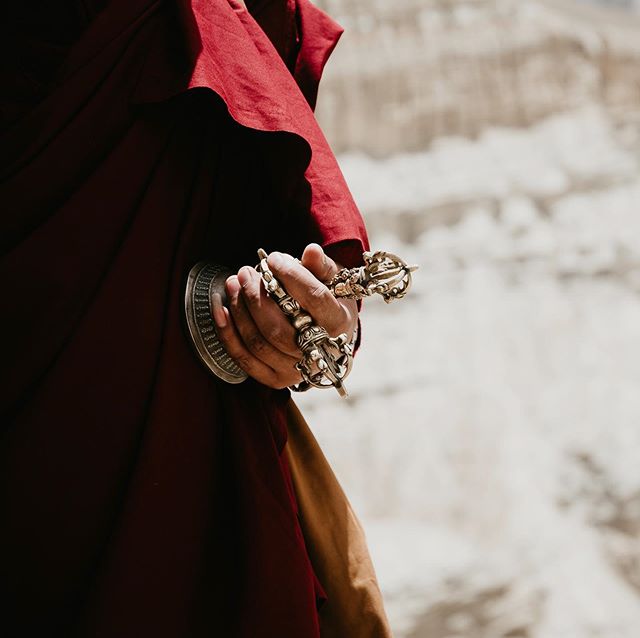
point(410, 71)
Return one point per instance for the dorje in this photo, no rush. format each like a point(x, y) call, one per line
point(326, 361)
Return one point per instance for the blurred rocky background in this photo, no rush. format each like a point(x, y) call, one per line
point(491, 443)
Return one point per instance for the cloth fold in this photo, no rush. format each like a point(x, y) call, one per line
point(140, 496)
point(335, 540)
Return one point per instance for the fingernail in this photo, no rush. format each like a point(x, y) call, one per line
point(218, 311)
point(276, 260)
point(244, 276)
point(233, 285)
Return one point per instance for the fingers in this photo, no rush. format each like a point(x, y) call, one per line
point(269, 319)
point(233, 344)
point(318, 263)
point(255, 331)
point(243, 340)
point(307, 288)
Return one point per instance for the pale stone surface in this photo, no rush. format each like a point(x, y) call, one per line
point(410, 71)
point(492, 441)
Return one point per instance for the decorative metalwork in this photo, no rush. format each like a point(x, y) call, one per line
point(204, 280)
point(383, 273)
point(326, 360)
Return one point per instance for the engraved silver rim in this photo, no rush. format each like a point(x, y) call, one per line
point(197, 304)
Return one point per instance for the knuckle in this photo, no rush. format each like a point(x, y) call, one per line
point(243, 361)
point(234, 304)
point(287, 271)
point(275, 337)
point(251, 293)
point(271, 380)
point(256, 343)
point(280, 338)
point(284, 381)
point(320, 293)
point(340, 323)
point(328, 267)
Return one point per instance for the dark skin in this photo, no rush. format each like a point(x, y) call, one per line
point(255, 331)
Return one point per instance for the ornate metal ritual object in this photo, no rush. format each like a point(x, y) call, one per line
point(326, 361)
point(204, 280)
point(383, 273)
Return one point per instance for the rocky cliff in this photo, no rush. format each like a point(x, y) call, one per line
point(491, 441)
point(409, 71)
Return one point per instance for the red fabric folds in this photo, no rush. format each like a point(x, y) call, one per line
point(139, 496)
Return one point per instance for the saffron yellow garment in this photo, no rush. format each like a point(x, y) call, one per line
point(335, 541)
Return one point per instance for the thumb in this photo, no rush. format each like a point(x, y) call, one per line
point(316, 261)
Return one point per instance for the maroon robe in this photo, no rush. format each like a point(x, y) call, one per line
point(139, 495)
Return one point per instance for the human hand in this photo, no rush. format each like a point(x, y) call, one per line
point(257, 334)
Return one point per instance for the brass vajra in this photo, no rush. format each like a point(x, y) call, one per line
point(326, 361)
point(383, 273)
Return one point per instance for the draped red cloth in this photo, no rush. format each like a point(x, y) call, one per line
point(139, 495)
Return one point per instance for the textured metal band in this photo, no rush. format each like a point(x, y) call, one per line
point(204, 280)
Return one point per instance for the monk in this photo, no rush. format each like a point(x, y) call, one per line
point(140, 495)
